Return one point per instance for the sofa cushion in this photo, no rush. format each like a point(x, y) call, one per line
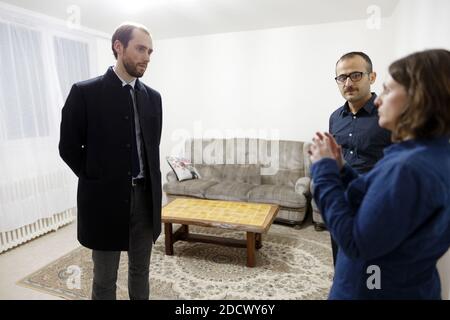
point(234, 191)
point(283, 177)
point(211, 172)
point(194, 188)
point(243, 173)
point(282, 195)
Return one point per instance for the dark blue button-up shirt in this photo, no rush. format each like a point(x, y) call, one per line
point(360, 136)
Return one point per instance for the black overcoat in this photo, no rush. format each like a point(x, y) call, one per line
point(95, 142)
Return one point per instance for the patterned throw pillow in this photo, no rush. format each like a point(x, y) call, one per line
point(183, 168)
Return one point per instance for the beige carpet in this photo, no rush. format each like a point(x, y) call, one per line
point(292, 264)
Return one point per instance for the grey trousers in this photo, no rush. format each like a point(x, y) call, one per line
point(106, 263)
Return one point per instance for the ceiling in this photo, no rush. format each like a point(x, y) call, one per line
point(180, 18)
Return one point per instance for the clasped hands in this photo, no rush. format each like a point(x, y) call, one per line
point(325, 146)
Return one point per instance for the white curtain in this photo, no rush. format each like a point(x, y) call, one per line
point(38, 65)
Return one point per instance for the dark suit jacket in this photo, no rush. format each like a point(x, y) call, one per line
point(95, 142)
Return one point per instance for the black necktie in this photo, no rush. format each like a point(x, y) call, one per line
point(135, 166)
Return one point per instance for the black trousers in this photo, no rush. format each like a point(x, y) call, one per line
point(106, 263)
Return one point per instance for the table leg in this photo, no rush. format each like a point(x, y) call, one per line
point(251, 249)
point(185, 229)
point(258, 241)
point(168, 238)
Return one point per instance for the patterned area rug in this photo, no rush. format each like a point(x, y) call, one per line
point(292, 264)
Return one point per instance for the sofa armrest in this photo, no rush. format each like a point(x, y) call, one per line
point(303, 186)
point(171, 177)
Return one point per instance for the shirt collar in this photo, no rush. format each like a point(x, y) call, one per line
point(369, 106)
point(132, 83)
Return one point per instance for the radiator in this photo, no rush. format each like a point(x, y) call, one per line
point(13, 238)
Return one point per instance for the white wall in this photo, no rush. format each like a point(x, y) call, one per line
point(105, 57)
point(277, 83)
point(420, 25)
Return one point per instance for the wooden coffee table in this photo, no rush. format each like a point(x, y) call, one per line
point(252, 218)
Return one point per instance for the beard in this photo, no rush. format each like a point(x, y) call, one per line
point(132, 70)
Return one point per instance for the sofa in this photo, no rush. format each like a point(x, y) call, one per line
point(249, 170)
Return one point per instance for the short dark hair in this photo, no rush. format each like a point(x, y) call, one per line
point(123, 34)
point(357, 53)
point(426, 78)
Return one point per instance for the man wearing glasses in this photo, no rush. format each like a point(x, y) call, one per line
point(355, 124)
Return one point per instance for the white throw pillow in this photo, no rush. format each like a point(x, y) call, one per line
point(183, 168)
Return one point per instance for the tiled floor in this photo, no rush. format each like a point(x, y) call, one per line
point(18, 262)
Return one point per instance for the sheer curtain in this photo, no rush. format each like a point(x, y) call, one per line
point(38, 66)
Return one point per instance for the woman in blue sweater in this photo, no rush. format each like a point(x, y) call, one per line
point(393, 223)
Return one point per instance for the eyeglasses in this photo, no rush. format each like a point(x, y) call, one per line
point(354, 76)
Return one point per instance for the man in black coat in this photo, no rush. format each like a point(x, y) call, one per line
point(110, 135)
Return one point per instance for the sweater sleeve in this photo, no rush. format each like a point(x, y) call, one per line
point(348, 175)
point(394, 203)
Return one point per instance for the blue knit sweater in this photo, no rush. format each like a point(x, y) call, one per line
point(391, 224)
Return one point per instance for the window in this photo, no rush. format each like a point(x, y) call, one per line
point(27, 79)
point(24, 101)
point(72, 62)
